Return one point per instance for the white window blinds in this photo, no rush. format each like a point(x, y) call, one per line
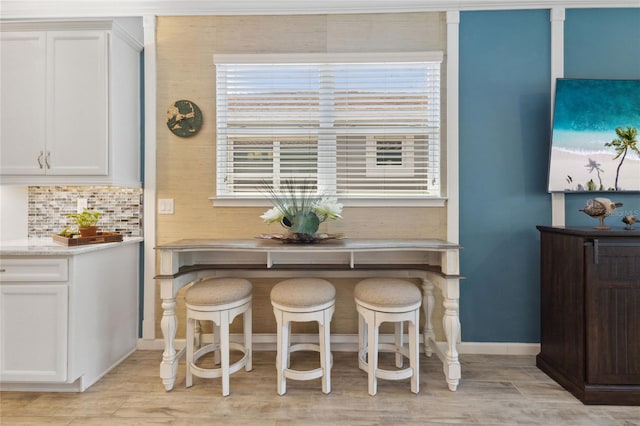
point(359, 128)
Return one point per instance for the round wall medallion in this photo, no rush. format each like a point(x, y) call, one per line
point(184, 118)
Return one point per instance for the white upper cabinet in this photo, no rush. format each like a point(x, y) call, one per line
point(22, 102)
point(70, 104)
point(77, 100)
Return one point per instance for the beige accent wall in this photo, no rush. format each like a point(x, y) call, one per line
point(186, 167)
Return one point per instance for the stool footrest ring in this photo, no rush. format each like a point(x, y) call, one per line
point(290, 373)
point(382, 373)
point(387, 348)
point(211, 373)
point(212, 347)
point(304, 347)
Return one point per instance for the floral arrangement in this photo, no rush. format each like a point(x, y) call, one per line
point(299, 209)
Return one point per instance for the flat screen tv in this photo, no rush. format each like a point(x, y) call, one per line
point(595, 142)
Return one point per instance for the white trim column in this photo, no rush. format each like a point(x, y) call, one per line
point(149, 206)
point(557, 71)
point(453, 165)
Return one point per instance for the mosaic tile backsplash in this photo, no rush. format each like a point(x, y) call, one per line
point(49, 205)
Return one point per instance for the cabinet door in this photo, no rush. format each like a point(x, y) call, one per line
point(562, 304)
point(77, 114)
point(613, 313)
point(33, 332)
point(22, 121)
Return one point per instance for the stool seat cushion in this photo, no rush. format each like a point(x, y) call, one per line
point(303, 292)
point(218, 291)
point(389, 292)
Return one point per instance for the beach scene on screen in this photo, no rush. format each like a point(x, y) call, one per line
point(594, 139)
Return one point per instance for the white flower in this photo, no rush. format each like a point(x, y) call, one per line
point(328, 207)
point(272, 215)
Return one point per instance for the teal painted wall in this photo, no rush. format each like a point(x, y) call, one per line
point(602, 43)
point(504, 148)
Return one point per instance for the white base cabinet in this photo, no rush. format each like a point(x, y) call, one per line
point(70, 104)
point(34, 332)
point(65, 321)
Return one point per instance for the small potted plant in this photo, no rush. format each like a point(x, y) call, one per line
point(86, 222)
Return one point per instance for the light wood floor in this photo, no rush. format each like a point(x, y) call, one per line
point(495, 390)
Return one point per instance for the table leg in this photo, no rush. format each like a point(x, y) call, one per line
point(451, 323)
point(169, 323)
point(427, 305)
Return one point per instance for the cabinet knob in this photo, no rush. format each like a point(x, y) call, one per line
point(40, 159)
point(46, 159)
point(3, 270)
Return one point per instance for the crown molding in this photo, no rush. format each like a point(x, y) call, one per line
point(46, 9)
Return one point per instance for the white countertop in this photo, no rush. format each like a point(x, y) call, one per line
point(48, 247)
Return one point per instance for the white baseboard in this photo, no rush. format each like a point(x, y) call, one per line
point(349, 343)
point(498, 348)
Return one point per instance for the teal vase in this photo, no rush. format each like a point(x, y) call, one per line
point(303, 225)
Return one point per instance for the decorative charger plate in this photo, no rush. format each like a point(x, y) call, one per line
point(292, 238)
point(184, 118)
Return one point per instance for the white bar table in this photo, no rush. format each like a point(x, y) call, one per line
point(435, 262)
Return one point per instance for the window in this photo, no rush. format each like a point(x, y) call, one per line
point(357, 126)
point(390, 155)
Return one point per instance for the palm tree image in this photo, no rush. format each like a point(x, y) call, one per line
point(594, 165)
point(627, 140)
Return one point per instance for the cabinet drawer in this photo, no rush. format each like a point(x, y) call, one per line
point(18, 270)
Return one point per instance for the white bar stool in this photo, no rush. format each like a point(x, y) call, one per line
point(381, 300)
point(302, 300)
point(218, 300)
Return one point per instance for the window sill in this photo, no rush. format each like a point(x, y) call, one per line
point(351, 202)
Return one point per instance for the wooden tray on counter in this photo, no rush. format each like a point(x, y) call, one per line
point(76, 240)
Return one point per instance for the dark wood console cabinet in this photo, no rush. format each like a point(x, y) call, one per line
point(590, 312)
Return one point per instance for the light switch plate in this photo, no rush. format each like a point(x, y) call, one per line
point(165, 206)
